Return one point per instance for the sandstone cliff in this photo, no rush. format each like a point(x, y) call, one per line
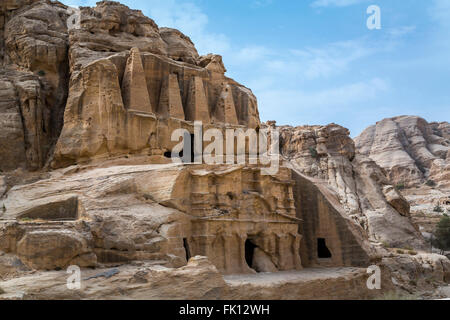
point(56, 85)
point(415, 155)
point(328, 153)
point(411, 150)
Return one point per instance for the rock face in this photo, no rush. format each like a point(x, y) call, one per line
point(118, 62)
point(410, 149)
point(328, 153)
point(199, 278)
point(88, 112)
point(33, 80)
point(415, 156)
point(152, 80)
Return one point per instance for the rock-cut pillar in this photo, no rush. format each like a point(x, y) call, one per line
point(134, 86)
point(225, 108)
point(197, 106)
point(170, 104)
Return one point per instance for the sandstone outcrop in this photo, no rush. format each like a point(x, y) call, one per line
point(199, 278)
point(415, 157)
point(63, 81)
point(328, 153)
point(410, 149)
point(233, 215)
point(33, 80)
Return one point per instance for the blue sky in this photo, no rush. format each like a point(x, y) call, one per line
point(316, 62)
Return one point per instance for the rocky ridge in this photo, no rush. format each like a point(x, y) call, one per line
point(328, 153)
point(415, 155)
point(411, 150)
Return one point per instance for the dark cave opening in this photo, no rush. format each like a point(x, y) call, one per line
point(322, 250)
point(186, 249)
point(249, 251)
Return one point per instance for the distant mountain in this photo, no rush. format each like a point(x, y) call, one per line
point(411, 150)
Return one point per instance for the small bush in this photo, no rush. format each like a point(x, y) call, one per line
point(313, 152)
point(441, 234)
point(2, 291)
point(431, 183)
point(400, 186)
point(412, 253)
point(41, 73)
point(400, 251)
point(385, 244)
point(438, 209)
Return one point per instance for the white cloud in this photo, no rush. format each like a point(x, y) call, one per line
point(338, 97)
point(260, 3)
point(333, 58)
point(250, 54)
point(401, 31)
point(300, 65)
point(189, 19)
point(317, 107)
point(335, 3)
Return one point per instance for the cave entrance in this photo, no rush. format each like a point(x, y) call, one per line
point(249, 251)
point(186, 249)
point(322, 250)
point(168, 154)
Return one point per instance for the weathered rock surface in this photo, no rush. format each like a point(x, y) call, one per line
point(57, 85)
point(420, 270)
point(33, 81)
point(415, 157)
point(410, 149)
point(328, 153)
point(199, 278)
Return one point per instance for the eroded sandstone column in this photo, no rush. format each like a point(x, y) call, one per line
point(170, 105)
point(197, 107)
point(225, 106)
point(134, 86)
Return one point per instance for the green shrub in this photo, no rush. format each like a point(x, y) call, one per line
point(441, 234)
point(412, 253)
point(400, 251)
point(400, 186)
point(2, 291)
point(385, 244)
point(438, 208)
point(41, 73)
point(313, 152)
